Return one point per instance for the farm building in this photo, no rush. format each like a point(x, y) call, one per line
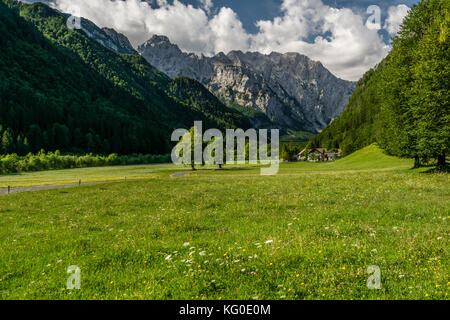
point(317, 154)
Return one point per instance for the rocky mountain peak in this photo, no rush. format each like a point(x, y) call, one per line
point(159, 39)
point(107, 37)
point(160, 42)
point(286, 91)
point(120, 40)
point(293, 91)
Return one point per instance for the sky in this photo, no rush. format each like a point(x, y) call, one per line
point(345, 35)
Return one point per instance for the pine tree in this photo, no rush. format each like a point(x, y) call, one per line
point(34, 136)
point(106, 147)
point(22, 146)
point(7, 144)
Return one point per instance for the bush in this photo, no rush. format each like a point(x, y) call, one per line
point(13, 163)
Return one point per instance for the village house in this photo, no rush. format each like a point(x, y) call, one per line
point(318, 155)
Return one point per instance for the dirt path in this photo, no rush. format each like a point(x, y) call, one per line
point(179, 174)
point(39, 188)
point(71, 185)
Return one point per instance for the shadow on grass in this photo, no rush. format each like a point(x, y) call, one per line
point(227, 169)
point(432, 169)
point(11, 174)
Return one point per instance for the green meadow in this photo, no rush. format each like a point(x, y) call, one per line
point(87, 175)
point(310, 232)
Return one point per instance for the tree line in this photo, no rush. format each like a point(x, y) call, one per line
point(403, 104)
point(13, 163)
point(61, 90)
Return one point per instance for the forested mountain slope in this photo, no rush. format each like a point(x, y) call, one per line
point(404, 104)
point(60, 89)
point(358, 126)
point(290, 90)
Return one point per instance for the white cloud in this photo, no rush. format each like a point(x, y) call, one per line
point(343, 43)
point(396, 14)
point(207, 5)
point(336, 37)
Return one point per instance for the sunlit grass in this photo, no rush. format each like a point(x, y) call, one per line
point(309, 232)
point(86, 175)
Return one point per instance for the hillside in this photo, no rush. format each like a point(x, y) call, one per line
point(215, 114)
point(404, 103)
point(60, 89)
point(371, 157)
point(358, 125)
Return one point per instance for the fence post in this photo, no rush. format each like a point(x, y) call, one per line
point(79, 182)
point(9, 189)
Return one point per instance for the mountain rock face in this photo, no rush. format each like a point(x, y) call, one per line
point(292, 91)
point(108, 38)
point(120, 40)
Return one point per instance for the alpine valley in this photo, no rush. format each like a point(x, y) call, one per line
point(139, 96)
point(352, 204)
point(288, 90)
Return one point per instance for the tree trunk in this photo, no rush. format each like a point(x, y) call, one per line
point(193, 167)
point(416, 162)
point(441, 165)
point(220, 166)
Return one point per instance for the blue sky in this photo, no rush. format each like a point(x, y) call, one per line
point(339, 33)
point(250, 11)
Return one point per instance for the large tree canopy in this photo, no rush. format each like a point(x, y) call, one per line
point(415, 85)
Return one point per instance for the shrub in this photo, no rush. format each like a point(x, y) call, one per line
point(13, 163)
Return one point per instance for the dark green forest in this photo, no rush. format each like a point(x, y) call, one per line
point(403, 104)
point(194, 95)
point(358, 125)
point(61, 90)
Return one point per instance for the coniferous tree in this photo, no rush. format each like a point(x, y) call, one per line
point(8, 144)
point(34, 136)
point(54, 79)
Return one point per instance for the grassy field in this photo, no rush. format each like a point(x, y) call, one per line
point(86, 175)
point(309, 232)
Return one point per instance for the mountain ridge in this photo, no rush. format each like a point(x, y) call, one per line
point(61, 89)
point(293, 91)
point(107, 37)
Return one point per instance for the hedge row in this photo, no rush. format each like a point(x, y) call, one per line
point(13, 163)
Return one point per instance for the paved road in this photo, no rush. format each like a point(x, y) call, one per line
point(179, 174)
point(39, 188)
point(72, 185)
